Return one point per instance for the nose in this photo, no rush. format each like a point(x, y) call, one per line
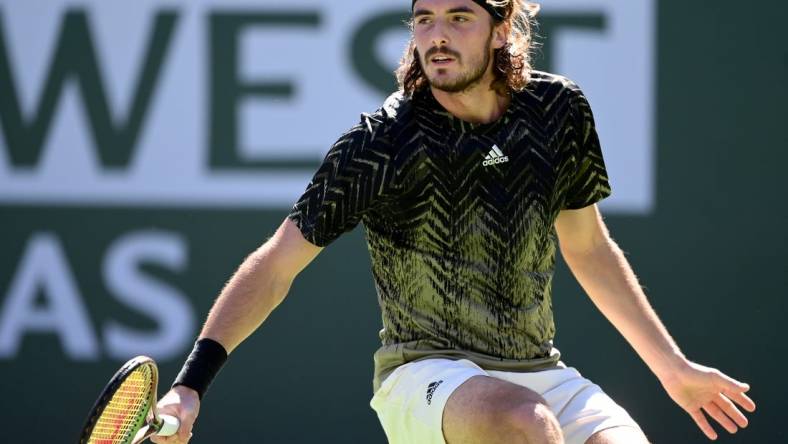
point(438, 35)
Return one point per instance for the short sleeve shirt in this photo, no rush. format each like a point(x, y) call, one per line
point(459, 220)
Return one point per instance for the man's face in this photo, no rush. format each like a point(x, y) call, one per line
point(454, 39)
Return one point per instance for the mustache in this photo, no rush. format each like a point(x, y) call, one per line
point(441, 51)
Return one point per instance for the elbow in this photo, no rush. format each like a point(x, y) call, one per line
point(278, 286)
point(279, 290)
point(273, 272)
point(589, 248)
point(592, 254)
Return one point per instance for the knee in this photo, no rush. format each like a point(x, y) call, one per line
point(534, 421)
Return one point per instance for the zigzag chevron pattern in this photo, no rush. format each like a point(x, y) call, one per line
point(462, 254)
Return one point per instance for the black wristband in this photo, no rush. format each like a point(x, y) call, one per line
point(203, 364)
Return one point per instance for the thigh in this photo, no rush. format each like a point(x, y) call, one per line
point(619, 435)
point(582, 407)
point(411, 401)
point(490, 410)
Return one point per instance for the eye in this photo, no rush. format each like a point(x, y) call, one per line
point(460, 18)
point(423, 21)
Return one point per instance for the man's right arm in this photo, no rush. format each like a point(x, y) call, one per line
point(257, 287)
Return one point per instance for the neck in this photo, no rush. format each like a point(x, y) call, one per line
point(478, 104)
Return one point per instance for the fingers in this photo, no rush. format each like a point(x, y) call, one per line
point(173, 439)
point(703, 424)
point(715, 412)
point(735, 390)
point(733, 384)
point(731, 411)
point(183, 404)
point(722, 410)
point(719, 396)
point(178, 438)
point(740, 398)
point(185, 432)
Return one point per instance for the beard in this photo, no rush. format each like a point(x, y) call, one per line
point(465, 80)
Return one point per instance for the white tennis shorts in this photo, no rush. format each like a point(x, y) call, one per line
point(410, 401)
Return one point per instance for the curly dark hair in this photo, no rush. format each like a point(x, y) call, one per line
point(512, 62)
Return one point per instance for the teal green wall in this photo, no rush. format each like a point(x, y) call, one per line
point(713, 257)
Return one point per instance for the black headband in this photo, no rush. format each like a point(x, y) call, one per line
point(497, 13)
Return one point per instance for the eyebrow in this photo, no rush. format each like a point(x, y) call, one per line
point(457, 10)
point(461, 9)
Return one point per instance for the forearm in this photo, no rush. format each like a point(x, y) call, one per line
point(607, 277)
point(247, 299)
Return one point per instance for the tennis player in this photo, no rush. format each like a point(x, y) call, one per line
point(466, 181)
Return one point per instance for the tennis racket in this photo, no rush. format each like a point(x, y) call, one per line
point(125, 413)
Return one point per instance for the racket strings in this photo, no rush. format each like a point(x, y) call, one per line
point(127, 409)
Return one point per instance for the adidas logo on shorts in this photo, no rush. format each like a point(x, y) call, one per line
point(495, 157)
point(431, 389)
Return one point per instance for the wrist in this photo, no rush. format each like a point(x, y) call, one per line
point(202, 366)
point(185, 392)
point(671, 367)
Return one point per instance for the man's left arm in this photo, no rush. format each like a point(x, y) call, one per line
point(602, 270)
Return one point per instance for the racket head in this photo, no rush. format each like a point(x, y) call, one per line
point(124, 405)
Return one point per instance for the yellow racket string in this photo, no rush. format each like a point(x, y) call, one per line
point(126, 411)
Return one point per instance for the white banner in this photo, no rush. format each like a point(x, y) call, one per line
point(234, 103)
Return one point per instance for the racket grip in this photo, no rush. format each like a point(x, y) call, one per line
point(169, 425)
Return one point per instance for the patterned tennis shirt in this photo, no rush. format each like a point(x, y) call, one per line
point(459, 220)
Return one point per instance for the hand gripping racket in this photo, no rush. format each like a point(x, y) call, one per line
point(125, 413)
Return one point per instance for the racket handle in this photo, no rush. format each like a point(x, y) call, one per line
point(169, 425)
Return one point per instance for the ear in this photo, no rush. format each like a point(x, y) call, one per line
point(500, 35)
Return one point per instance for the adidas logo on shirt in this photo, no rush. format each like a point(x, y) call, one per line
point(431, 390)
point(495, 157)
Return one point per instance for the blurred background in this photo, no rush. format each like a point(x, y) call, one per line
point(148, 146)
